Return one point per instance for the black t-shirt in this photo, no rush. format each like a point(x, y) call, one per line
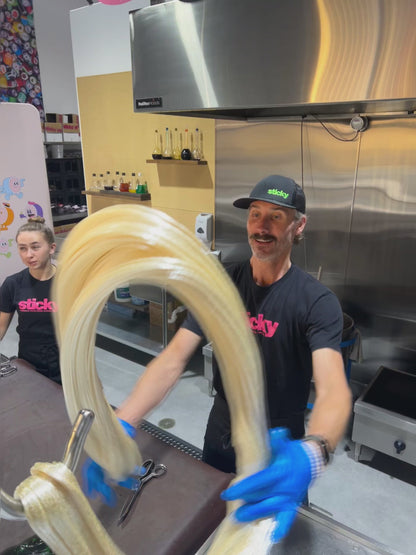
point(291, 318)
point(30, 297)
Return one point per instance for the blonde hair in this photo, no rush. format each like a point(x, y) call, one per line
point(37, 223)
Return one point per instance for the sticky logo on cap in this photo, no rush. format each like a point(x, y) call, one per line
point(277, 193)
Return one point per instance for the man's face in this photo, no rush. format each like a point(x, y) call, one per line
point(271, 230)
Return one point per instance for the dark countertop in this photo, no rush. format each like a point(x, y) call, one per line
point(175, 514)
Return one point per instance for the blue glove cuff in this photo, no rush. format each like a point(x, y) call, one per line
point(128, 428)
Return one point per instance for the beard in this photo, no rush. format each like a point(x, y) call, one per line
point(272, 250)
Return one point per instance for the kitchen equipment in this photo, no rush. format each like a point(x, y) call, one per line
point(193, 58)
point(149, 470)
point(385, 415)
point(204, 228)
point(12, 508)
point(6, 366)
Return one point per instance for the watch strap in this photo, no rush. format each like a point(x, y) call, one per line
point(323, 445)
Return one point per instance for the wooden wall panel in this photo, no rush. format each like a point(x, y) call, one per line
point(116, 138)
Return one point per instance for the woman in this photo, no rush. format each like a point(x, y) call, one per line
point(28, 292)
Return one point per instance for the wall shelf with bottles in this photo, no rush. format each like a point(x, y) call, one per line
point(179, 162)
point(104, 193)
point(67, 143)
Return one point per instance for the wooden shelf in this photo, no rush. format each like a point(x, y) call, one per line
point(65, 143)
point(79, 157)
point(178, 162)
point(104, 193)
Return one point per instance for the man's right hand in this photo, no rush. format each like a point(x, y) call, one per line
point(95, 481)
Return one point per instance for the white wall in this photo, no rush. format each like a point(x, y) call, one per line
point(53, 37)
point(100, 43)
point(101, 38)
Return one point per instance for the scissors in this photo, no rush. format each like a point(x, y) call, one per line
point(148, 471)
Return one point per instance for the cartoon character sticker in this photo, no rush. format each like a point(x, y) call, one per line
point(32, 209)
point(6, 216)
point(5, 246)
point(12, 186)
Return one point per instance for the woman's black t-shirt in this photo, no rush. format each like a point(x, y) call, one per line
point(30, 297)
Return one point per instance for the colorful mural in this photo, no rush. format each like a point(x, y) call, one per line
point(19, 63)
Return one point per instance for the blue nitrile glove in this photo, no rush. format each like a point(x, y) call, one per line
point(94, 480)
point(280, 488)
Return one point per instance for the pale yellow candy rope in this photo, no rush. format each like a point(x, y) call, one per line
point(135, 244)
point(59, 513)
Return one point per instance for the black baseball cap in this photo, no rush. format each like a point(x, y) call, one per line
point(276, 189)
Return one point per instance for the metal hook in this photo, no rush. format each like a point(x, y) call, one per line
point(12, 508)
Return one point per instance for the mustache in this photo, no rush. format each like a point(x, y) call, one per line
point(261, 236)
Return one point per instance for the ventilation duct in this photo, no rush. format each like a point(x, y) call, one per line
point(263, 58)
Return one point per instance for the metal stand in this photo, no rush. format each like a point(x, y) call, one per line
point(12, 509)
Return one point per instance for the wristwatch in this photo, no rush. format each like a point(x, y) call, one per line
point(323, 445)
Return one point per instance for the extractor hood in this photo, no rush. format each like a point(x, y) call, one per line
point(262, 58)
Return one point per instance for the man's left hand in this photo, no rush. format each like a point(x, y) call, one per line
point(279, 489)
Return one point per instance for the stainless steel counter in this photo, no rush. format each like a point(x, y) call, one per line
point(315, 534)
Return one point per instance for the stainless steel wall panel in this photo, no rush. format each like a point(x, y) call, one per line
point(361, 206)
point(247, 152)
point(384, 231)
point(380, 285)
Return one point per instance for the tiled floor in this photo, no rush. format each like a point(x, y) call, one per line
point(376, 497)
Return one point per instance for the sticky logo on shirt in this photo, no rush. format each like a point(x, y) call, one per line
point(33, 305)
point(262, 326)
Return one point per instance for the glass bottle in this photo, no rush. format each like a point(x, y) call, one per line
point(109, 184)
point(116, 181)
point(201, 145)
point(124, 184)
point(186, 153)
point(132, 184)
point(100, 182)
point(157, 151)
point(141, 184)
point(196, 153)
point(167, 151)
point(94, 186)
point(176, 154)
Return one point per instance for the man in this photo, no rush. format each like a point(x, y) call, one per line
point(298, 323)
